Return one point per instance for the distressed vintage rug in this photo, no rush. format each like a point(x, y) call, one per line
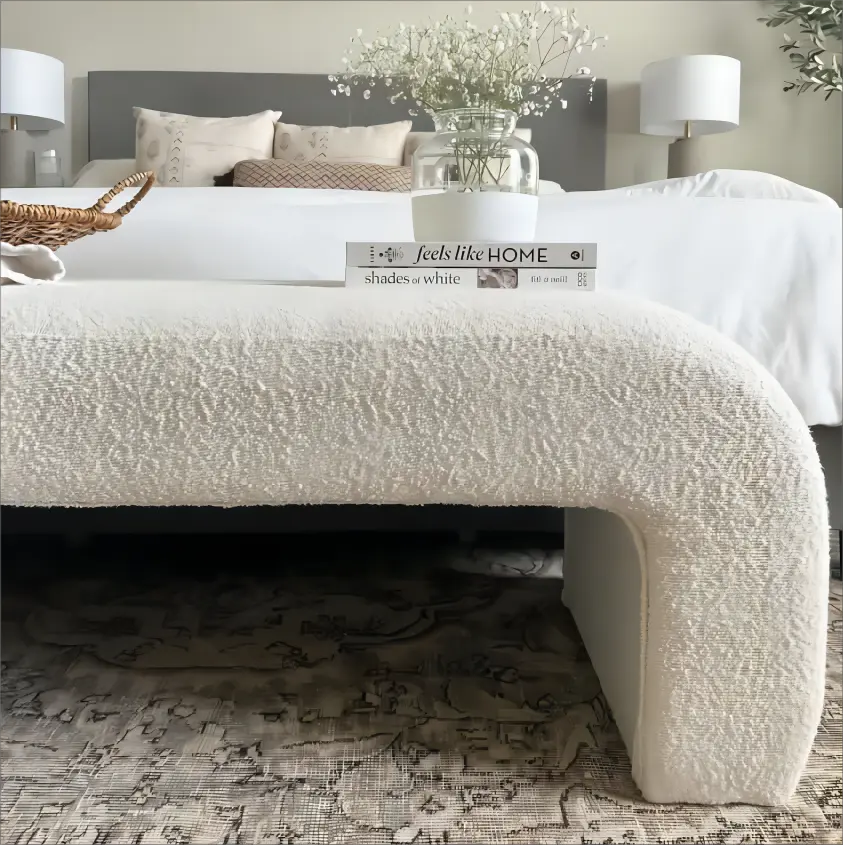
point(372, 709)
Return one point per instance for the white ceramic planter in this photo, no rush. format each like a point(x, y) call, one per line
point(474, 216)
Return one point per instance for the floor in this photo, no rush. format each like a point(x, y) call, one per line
point(321, 690)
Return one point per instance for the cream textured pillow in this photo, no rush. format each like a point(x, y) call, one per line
point(187, 151)
point(414, 140)
point(322, 174)
point(381, 144)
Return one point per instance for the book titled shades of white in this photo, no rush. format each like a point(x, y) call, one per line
point(465, 278)
point(453, 255)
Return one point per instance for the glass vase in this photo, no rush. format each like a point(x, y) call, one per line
point(475, 149)
point(474, 180)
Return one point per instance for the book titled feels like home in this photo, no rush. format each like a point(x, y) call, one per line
point(514, 266)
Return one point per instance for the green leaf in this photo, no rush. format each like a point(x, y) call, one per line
point(818, 21)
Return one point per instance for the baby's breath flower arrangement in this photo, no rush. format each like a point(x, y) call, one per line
point(453, 64)
point(470, 77)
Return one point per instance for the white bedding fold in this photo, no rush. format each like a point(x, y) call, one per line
point(767, 273)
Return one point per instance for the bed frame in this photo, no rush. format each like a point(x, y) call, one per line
point(571, 144)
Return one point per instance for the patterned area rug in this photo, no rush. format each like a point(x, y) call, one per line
point(438, 709)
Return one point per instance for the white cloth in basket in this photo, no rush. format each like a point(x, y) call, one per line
point(29, 264)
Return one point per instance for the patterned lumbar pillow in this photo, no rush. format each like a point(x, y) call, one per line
point(381, 144)
point(322, 174)
point(187, 151)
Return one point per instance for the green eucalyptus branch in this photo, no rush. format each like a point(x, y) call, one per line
point(817, 64)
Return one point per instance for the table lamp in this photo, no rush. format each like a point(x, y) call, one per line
point(688, 96)
point(32, 97)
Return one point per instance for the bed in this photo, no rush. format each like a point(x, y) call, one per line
point(765, 272)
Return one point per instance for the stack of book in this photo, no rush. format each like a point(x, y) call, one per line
point(525, 266)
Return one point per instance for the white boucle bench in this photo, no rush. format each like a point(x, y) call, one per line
point(696, 536)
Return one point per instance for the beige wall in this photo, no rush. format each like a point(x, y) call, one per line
point(798, 138)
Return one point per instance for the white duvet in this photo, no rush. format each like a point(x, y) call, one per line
point(767, 273)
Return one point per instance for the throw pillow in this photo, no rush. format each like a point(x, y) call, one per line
point(187, 151)
point(381, 144)
point(322, 174)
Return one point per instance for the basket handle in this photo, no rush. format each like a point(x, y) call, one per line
point(105, 199)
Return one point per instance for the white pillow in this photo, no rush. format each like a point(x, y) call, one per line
point(104, 173)
point(548, 187)
point(414, 139)
point(187, 151)
point(381, 144)
point(742, 184)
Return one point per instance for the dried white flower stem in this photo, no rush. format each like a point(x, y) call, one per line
point(453, 64)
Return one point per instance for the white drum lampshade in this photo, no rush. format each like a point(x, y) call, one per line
point(687, 96)
point(31, 97)
point(703, 91)
point(31, 89)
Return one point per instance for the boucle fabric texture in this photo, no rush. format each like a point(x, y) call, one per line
point(154, 394)
point(322, 174)
point(375, 707)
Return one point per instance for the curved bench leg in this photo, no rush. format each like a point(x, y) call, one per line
point(707, 717)
point(604, 590)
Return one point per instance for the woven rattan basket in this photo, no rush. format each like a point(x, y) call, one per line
point(53, 226)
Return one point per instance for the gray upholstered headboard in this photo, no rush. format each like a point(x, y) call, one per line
point(571, 142)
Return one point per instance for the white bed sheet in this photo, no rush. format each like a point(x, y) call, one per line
point(767, 273)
